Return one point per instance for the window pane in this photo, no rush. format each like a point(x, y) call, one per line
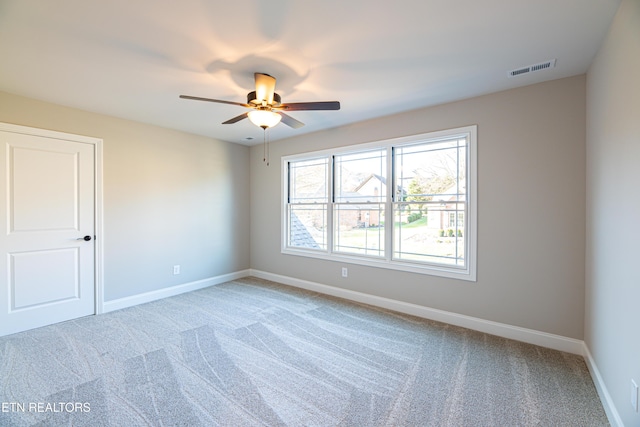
point(308, 181)
point(432, 233)
point(430, 185)
point(430, 171)
point(361, 177)
point(359, 229)
point(307, 226)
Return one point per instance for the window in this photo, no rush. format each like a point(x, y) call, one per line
point(432, 176)
point(307, 204)
point(358, 202)
point(407, 204)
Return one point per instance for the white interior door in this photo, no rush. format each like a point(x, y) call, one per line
point(47, 269)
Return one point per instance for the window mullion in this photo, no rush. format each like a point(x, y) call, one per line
point(330, 204)
point(289, 183)
point(389, 216)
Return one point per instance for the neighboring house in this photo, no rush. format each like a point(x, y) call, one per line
point(361, 210)
point(359, 213)
point(373, 185)
point(363, 207)
point(448, 214)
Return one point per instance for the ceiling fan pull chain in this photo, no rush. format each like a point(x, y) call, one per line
point(268, 137)
point(265, 144)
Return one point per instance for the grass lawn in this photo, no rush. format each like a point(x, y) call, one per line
point(411, 242)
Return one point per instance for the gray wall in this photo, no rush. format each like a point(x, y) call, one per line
point(169, 198)
point(612, 321)
point(531, 211)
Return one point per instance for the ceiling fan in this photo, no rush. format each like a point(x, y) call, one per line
point(267, 109)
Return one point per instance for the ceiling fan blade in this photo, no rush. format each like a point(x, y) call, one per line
point(290, 121)
point(265, 87)
point(219, 101)
point(236, 119)
point(299, 106)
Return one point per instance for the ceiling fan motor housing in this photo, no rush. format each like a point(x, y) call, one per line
point(251, 99)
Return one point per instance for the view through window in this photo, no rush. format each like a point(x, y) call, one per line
point(407, 203)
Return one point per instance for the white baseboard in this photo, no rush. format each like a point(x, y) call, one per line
point(603, 393)
point(172, 291)
point(556, 342)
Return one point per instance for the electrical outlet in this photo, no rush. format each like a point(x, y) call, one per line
point(176, 269)
point(345, 272)
point(634, 395)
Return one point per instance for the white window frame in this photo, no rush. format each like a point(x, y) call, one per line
point(468, 272)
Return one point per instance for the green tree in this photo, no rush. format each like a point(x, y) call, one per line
point(416, 193)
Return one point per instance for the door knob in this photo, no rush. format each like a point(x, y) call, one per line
point(85, 238)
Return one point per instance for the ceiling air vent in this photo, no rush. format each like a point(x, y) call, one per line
point(532, 68)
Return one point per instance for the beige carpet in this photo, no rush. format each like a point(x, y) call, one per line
point(256, 353)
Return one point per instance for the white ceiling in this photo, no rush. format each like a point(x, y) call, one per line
point(132, 58)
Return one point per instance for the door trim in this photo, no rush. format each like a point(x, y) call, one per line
point(98, 200)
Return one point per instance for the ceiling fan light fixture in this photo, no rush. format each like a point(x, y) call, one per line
point(267, 109)
point(264, 119)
